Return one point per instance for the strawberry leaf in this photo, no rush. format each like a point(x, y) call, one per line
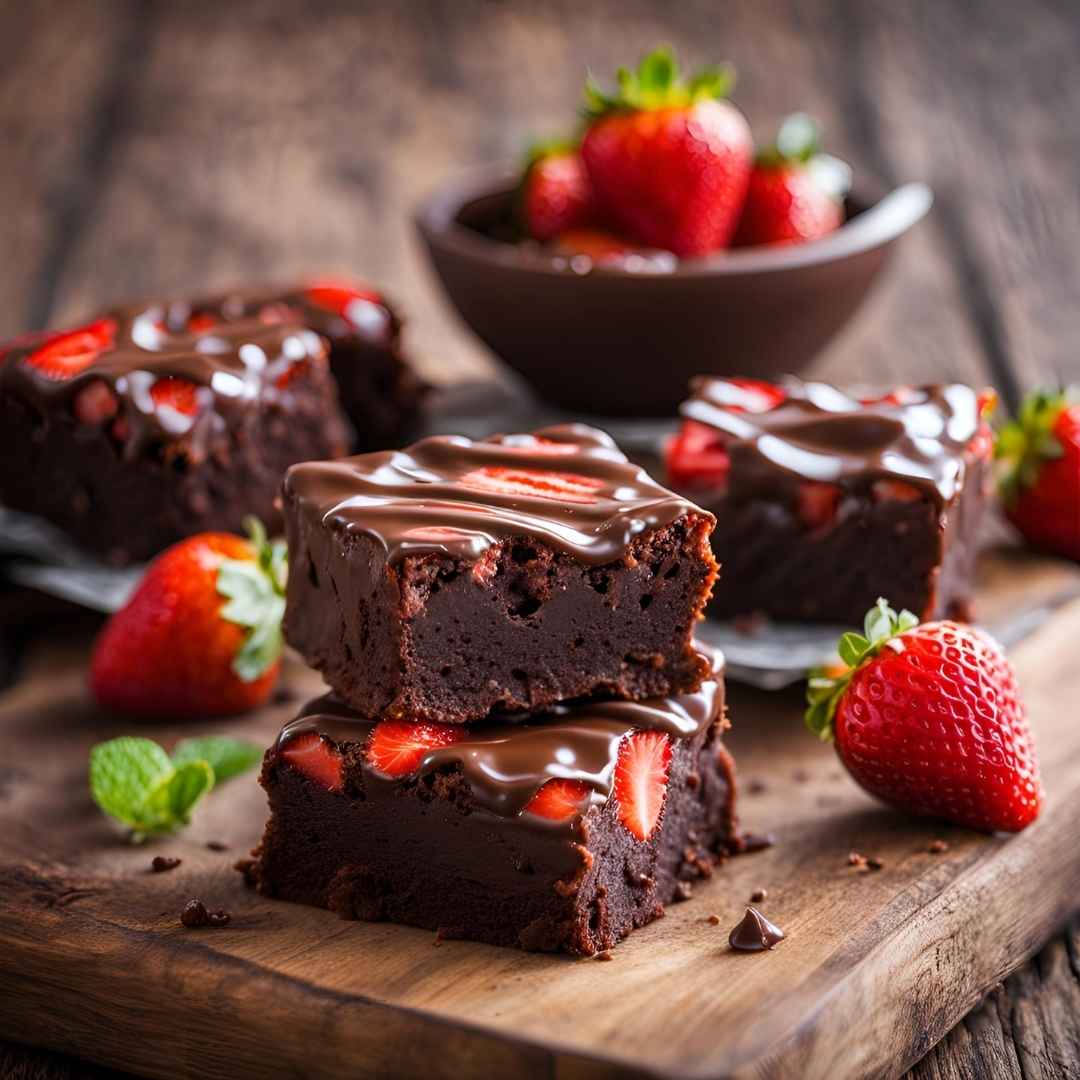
point(1022, 445)
point(255, 590)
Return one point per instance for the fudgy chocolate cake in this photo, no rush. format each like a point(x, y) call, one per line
point(131, 433)
point(453, 578)
point(563, 832)
point(826, 500)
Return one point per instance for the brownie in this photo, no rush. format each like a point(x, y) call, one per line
point(826, 500)
point(131, 436)
point(454, 578)
point(378, 387)
point(465, 840)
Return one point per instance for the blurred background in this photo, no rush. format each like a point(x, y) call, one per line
point(175, 146)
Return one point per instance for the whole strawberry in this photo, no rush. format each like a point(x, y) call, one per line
point(555, 194)
point(201, 635)
point(1039, 461)
point(796, 192)
point(928, 718)
point(669, 160)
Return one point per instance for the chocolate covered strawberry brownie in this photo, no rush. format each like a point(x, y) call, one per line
point(132, 431)
point(562, 833)
point(454, 578)
point(826, 500)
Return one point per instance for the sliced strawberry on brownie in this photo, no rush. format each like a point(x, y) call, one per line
point(641, 776)
point(73, 351)
point(317, 758)
point(397, 747)
point(559, 799)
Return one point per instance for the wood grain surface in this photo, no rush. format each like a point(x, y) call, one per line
point(150, 145)
point(94, 962)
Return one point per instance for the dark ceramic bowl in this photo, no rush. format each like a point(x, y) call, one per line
point(614, 341)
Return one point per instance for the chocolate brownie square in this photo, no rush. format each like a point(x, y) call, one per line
point(130, 436)
point(453, 578)
point(562, 833)
point(826, 499)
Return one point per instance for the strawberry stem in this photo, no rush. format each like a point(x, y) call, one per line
point(1023, 444)
point(826, 687)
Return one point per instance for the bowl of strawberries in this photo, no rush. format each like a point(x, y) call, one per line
point(657, 245)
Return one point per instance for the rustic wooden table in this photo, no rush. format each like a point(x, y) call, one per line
point(151, 146)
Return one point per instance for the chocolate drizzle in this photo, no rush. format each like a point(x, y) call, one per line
point(754, 933)
point(568, 486)
point(820, 433)
point(506, 763)
point(233, 365)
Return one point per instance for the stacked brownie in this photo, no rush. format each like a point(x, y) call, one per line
point(522, 742)
point(827, 499)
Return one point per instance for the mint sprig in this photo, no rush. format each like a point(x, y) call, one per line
point(657, 84)
point(825, 688)
point(255, 591)
point(138, 784)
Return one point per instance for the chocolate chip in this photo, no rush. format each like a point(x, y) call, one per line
point(216, 845)
point(756, 787)
point(160, 863)
point(194, 914)
point(218, 918)
point(605, 955)
point(937, 847)
point(713, 920)
point(683, 890)
point(758, 895)
point(874, 864)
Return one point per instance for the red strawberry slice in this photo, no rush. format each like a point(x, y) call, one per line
point(817, 504)
point(697, 457)
point(396, 747)
point(895, 491)
point(755, 396)
point(338, 296)
point(67, 354)
point(558, 486)
point(559, 799)
point(177, 394)
point(641, 775)
point(316, 758)
point(201, 321)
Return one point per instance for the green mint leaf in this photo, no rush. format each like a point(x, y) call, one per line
point(122, 774)
point(191, 781)
point(226, 757)
point(852, 648)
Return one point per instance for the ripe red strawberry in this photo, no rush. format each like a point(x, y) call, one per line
point(796, 192)
point(66, 355)
point(178, 394)
point(316, 758)
point(895, 491)
point(697, 457)
point(555, 193)
point(505, 480)
point(345, 298)
point(817, 504)
point(1039, 458)
point(641, 775)
point(669, 161)
point(601, 247)
point(396, 747)
point(559, 799)
point(201, 321)
point(201, 634)
point(929, 719)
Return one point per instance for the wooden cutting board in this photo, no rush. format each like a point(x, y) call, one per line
point(876, 967)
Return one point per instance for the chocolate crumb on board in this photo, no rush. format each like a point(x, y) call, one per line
point(873, 863)
point(937, 847)
point(713, 920)
point(605, 955)
point(800, 776)
point(756, 787)
point(160, 863)
point(683, 890)
point(856, 860)
point(216, 845)
point(196, 915)
point(758, 895)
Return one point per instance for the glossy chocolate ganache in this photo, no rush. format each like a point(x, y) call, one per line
point(233, 366)
point(506, 763)
point(819, 433)
point(568, 486)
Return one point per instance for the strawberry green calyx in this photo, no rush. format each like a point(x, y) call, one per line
point(255, 591)
point(826, 686)
point(545, 148)
point(1023, 444)
point(798, 145)
point(657, 85)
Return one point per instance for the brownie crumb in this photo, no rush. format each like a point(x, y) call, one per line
point(246, 867)
point(605, 955)
point(800, 776)
point(693, 781)
point(756, 787)
point(683, 890)
point(195, 915)
point(937, 847)
point(713, 920)
point(645, 881)
point(216, 845)
point(160, 863)
point(874, 864)
point(758, 895)
point(856, 860)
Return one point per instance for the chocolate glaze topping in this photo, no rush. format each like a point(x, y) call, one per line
point(234, 365)
point(506, 763)
point(568, 486)
point(823, 434)
point(754, 933)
